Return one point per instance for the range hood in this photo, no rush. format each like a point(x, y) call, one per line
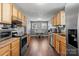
point(16, 20)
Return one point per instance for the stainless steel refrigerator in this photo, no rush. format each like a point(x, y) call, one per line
point(72, 28)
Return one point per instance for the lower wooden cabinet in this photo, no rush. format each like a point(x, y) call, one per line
point(54, 41)
point(15, 50)
point(63, 47)
point(4, 49)
point(10, 47)
point(59, 43)
point(6, 53)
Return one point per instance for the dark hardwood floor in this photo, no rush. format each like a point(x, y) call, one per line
point(40, 47)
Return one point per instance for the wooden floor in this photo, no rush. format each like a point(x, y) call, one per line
point(40, 47)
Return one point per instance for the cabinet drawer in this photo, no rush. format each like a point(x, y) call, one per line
point(15, 43)
point(4, 49)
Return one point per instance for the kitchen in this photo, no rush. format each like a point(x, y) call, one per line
point(39, 29)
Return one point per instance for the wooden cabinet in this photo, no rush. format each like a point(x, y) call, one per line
point(4, 49)
point(55, 20)
point(19, 15)
point(15, 52)
point(24, 21)
point(62, 14)
point(59, 43)
point(9, 12)
point(59, 18)
point(15, 47)
point(10, 47)
point(14, 12)
point(0, 12)
point(6, 13)
point(63, 46)
point(6, 53)
point(54, 41)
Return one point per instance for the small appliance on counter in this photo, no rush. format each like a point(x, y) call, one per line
point(19, 31)
point(5, 32)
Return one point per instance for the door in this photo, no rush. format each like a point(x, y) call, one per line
point(6, 13)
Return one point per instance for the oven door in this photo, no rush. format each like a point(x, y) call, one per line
point(23, 45)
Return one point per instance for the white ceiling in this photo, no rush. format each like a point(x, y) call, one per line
point(40, 10)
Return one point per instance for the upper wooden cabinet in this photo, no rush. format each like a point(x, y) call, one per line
point(62, 14)
point(20, 15)
point(6, 13)
point(23, 21)
point(59, 18)
point(14, 12)
point(0, 12)
point(9, 12)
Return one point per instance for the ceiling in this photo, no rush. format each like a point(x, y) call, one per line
point(40, 10)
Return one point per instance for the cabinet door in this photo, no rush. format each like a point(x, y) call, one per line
point(6, 53)
point(57, 44)
point(15, 51)
point(63, 49)
point(24, 21)
point(58, 19)
point(62, 17)
point(52, 21)
point(0, 11)
point(19, 15)
point(4, 49)
point(6, 13)
point(15, 12)
point(55, 20)
point(54, 40)
point(15, 47)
